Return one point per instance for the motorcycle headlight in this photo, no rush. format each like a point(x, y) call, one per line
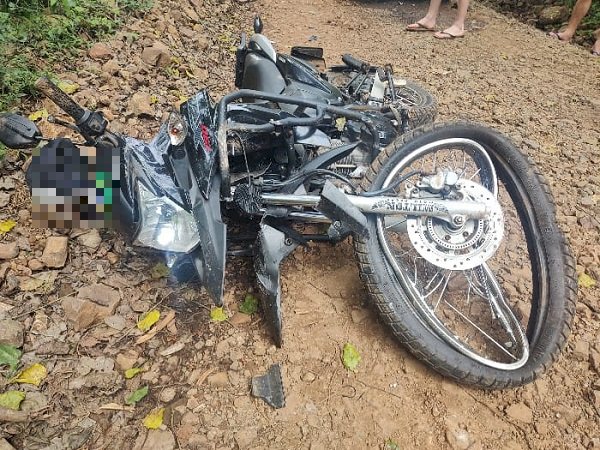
point(164, 225)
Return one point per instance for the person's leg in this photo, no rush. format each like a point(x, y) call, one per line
point(579, 11)
point(457, 29)
point(430, 19)
point(596, 46)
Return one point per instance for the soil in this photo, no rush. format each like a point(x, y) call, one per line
point(544, 94)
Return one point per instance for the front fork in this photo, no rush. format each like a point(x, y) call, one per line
point(347, 212)
point(455, 212)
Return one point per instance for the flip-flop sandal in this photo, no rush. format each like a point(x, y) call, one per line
point(418, 26)
point(555, 35)
point(446, 35)
point(595, 54)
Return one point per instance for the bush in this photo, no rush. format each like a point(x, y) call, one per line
point(37, 33)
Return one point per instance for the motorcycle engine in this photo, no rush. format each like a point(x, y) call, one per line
point(353, 166)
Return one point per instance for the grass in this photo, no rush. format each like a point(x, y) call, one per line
point(591, 21)
point(36, 34)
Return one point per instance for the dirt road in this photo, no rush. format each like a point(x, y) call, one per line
point(544, 94)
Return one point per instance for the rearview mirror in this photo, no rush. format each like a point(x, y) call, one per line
point(18, 132)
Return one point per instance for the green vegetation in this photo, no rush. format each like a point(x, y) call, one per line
point(37, 33)
point(591, 21)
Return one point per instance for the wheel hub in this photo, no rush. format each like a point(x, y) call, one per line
point(459, 247)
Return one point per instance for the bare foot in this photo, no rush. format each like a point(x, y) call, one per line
point(596, 46)
point(450, 33)
point(561, 36)
point(425, 24)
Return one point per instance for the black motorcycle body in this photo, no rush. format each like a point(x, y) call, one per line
point(432, 211)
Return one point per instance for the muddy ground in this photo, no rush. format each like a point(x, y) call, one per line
point(544, 94)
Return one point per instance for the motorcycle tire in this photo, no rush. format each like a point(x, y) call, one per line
point(526, 290)
point(422, 107)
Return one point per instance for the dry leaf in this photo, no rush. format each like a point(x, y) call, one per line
point(117, 407)
point(173, 349)
point(148, 319)
point(218, 314)
point(7, 225)
point(68, 87)
point(12, 400)
point(161, 325)
point(159, 270)
point(204, 376)
point(42, 283)
point(155, 419)
point(586, 281)
point(130, 373)
point(37, 115)
point(34, 374)
point(350, 357)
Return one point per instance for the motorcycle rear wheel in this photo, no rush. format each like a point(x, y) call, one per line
point(421, 105)
point(498, 324)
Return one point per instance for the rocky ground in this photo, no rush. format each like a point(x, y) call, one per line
point(70, 299)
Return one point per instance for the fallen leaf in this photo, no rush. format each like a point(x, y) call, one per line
point(148, 319)
point(249, 305)
point(42, 283)
point(586, 281)
point(204, 376)
point(67, 87)
point(155, 419)
point(34, 374)
point(12, 399)
point(9, 356)
point(117, 407)
point(137, 395)
point(161, 325)
point(391, 445)
point(350, 357)
point(7, 225)
point(172, 349)
point(159, 270)
point(153, 100)
point(37, 115)
point(218, 315)
point(130, 373)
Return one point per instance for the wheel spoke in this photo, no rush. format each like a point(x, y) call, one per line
point(467, 308)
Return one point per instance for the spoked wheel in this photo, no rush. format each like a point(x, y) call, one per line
point(422, 107)
point(488, 302)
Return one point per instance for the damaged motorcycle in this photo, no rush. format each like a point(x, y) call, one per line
point(454, 229)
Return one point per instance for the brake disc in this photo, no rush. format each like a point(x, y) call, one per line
point(464, 247)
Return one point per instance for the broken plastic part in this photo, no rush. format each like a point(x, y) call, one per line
point(269, 387)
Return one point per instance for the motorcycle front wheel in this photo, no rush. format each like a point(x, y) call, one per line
point(487, 302)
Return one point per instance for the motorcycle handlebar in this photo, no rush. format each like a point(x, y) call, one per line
point(355, 63)
point(66, 103)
